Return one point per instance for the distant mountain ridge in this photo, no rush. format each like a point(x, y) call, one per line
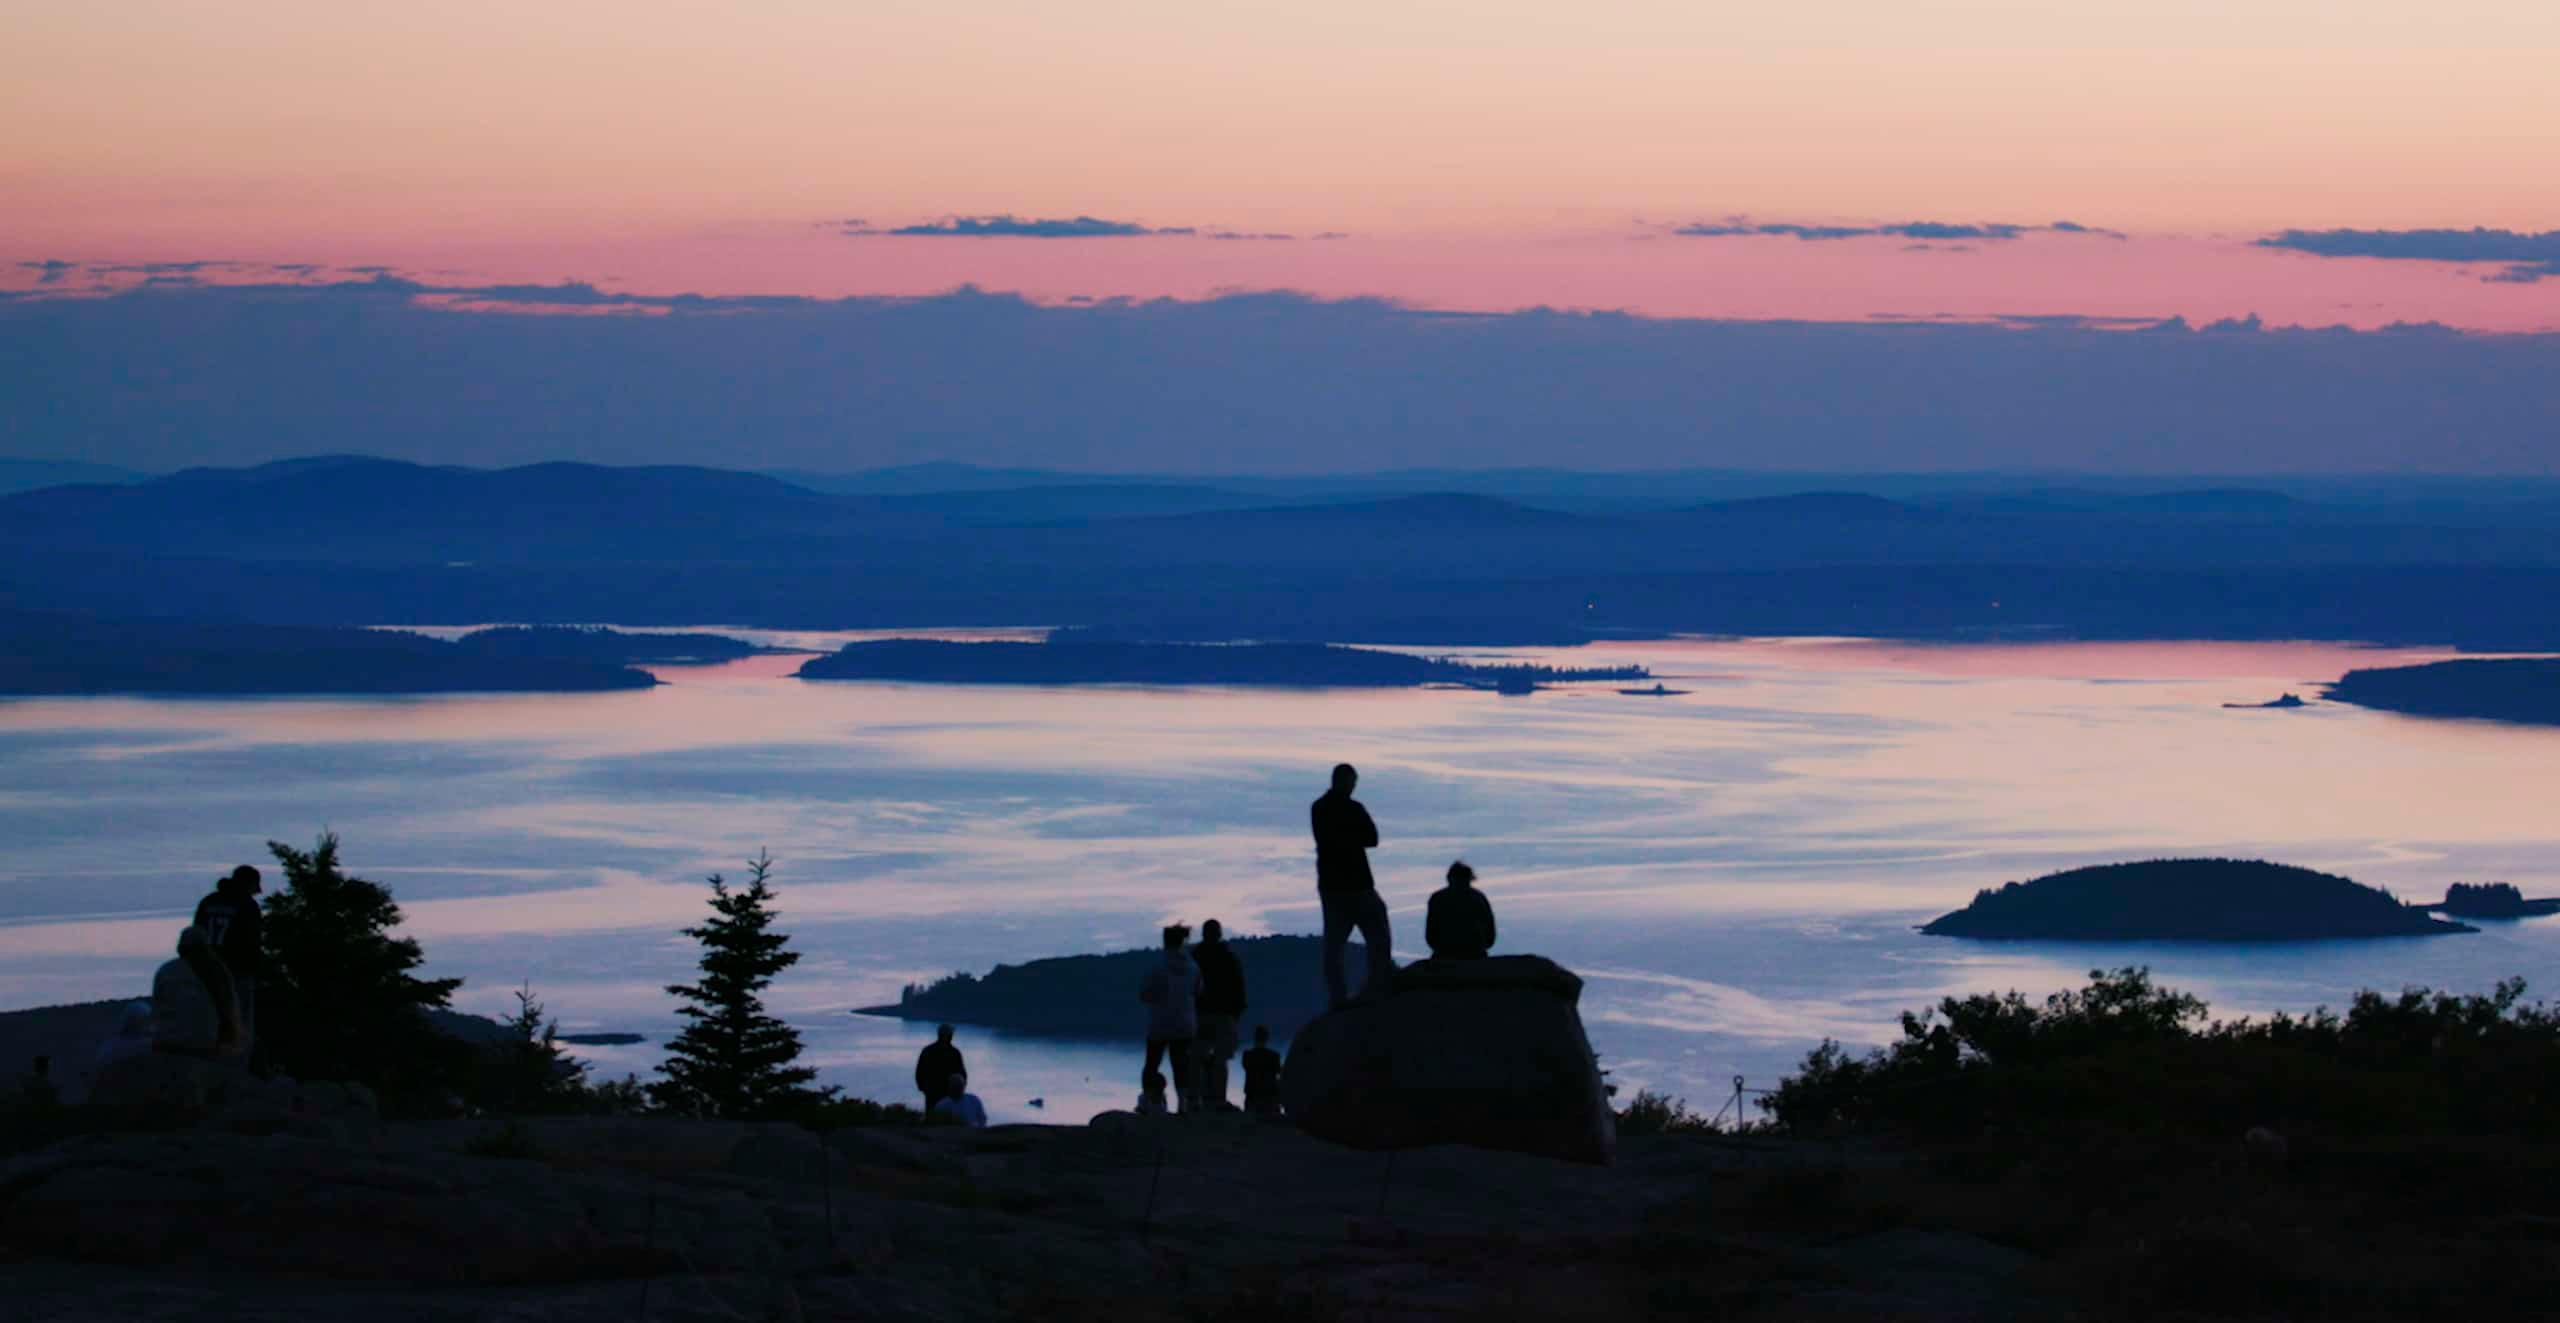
point(1479, 559)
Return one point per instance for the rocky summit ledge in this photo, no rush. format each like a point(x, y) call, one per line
point(1128, 1219)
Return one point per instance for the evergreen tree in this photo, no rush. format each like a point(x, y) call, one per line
point(732, 1060)
point(530, 1075)
point(340, 999)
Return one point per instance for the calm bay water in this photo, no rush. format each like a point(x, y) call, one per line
point(1735, 871)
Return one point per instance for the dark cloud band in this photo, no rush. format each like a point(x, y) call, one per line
point(2529, 256)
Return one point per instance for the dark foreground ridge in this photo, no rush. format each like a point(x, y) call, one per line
point(44, 652)
point(2525, 689)
point(2188, 900)
point(1089, 996)
point(1099, 662)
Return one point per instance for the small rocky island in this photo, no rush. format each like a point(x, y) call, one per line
point(2188, 900)
point(1089, 661)
point(2518, 689)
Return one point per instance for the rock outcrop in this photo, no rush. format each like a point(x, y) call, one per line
point(1483, 1052)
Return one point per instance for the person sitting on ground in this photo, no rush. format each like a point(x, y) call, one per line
point(935, 1067)
point(1221, 1005)
point(1459, 925)
point(959, 1106)
point(1172, 994)
point(1262, 1075)
point(1151, 1094)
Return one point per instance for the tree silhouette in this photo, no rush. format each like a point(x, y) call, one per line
point(732, 1060)
point(340, 999)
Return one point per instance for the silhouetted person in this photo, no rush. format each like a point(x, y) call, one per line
point(1221, 1005)
point(1172, 993)
point(1344, 837)
point(1460, 923)
point(1262, 1074)
point(226, 948)
point(958, 1105)
point(935, 1066)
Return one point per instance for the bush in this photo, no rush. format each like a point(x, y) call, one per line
point(2126, 1054)
point(1654, 1114)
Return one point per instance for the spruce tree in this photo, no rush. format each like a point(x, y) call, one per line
point(340, 998)
point(732, 1060)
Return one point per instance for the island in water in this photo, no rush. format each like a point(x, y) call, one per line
point(596, 643)
point(2282, 701)
point(1096, 996)
point(2518, 689)
point(61, 652)
point(2492, 900)
point(1062, 661)
point(2188, 900)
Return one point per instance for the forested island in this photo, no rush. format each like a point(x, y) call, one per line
point(1096, 661)
point(2492, 900)
point(2521, 689)
point(1096, 996)
point(596, 643)
point(2188, 900)
point(44, 652)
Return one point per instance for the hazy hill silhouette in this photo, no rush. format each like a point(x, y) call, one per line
point(2212, 900)
point(354, 508)
point(346, 540)
point(17, 475)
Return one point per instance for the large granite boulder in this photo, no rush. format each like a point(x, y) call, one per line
point(1483, 1052)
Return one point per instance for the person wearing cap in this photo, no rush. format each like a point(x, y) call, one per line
point(229, 923)
point(1459, 924)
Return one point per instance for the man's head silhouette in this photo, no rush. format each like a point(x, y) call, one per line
point(1212, 932)
point(1460, 875)
point(943, 1033)
point(1345, 776)
point(243, 881)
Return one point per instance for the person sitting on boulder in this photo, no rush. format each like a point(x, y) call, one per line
point(1459, 925)
point(1172, 994)
point(1262, 1075)
point(935, 1067)
point(959, 1106)
point(1151, 1094)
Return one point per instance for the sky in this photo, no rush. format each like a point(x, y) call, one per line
point(2021, 164)
point(1487, 155)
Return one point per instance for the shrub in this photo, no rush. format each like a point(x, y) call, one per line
point(1655, 1114)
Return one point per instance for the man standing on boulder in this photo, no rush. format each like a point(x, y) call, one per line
point(1221, 1004)
point(1344, 837)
